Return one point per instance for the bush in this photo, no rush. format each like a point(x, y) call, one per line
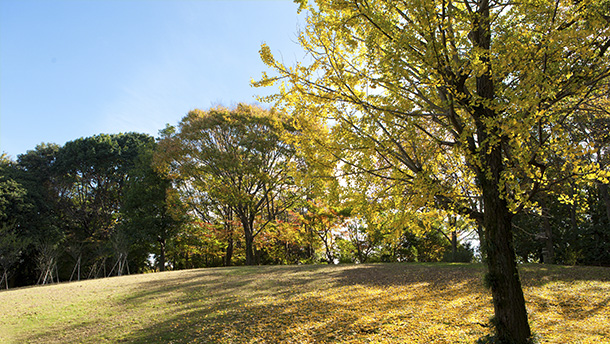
point(463, 254)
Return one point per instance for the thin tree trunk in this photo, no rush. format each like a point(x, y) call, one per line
point(5, 279)
point(118, 263)
point(76, 269)
point(329, 254)
point(162, 255)
point(229, 250)
point(249, 238)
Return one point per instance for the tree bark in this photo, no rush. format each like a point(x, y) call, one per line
point(453, 245)
point(248, 235)
point(510, 319)
point(509, 304)
point(5, 278)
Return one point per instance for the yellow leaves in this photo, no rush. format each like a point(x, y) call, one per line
point(565, 199)
point(266, 55)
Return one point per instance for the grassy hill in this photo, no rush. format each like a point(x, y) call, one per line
point(377, 303)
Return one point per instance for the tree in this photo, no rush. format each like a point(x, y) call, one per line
point(13, 206)
point(323, 219)
point(235, 158)
point(152, 212)
point(44, 227)
point(455, 101)
point(91, 175)
point(30, 225)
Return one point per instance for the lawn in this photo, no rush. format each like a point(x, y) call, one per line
point(376, 303)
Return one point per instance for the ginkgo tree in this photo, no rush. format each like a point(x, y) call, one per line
point(460, 103)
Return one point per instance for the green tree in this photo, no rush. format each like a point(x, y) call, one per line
point(152, 212)
point(13, 207)
point(455, 101)
point(91, 175)
point(44, 226)
point(236, 158)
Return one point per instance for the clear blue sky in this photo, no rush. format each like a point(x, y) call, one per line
point(76, 68)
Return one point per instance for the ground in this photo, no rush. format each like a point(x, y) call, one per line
point(373, 303)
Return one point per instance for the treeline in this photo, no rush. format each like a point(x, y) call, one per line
point(242, 186)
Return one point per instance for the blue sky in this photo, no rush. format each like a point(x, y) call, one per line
point(76, 68)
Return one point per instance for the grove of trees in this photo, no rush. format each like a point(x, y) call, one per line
point(224, 187)
point(414, 131)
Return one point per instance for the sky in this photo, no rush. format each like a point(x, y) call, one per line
point(77, 68)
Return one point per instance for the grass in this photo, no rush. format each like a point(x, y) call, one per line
point(376, 303)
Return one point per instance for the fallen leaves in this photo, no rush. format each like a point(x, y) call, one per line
point(377, 303)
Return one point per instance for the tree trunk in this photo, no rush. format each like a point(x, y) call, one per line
point(509, 304)
point(229, 250)
point(162, 255)
point(510, 319)
point(5, 278)
point(329, 255)
point(453, 245)
point(228, 226)
point(248, 235)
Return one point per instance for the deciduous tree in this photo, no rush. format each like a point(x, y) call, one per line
point(454, 101)
point(236, 158)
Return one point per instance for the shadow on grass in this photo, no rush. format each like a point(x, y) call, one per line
point(541, 274)
point(321, 304)
point(395, 303)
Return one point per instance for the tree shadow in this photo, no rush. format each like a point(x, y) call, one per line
point(541, 274)
point(321, 304)
point(393, 303)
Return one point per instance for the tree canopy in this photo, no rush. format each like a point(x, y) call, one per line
point(463, 105)
point(236, 158)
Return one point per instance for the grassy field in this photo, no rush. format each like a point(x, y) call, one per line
point(377, 303)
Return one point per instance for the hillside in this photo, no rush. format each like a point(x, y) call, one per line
point(379, 303)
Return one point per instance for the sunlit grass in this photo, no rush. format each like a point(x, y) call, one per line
point(385, 303)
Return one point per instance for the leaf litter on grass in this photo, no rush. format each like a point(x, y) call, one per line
point(373, 303)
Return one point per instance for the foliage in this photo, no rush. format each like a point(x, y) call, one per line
point(463, 254)
point(460, 106)
point(235, 158)
point(153, 213)
point(25, 219)
point(323, 220)
point(198, 244)
point(13, 206)
point(91, 175)
point(580, 230)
